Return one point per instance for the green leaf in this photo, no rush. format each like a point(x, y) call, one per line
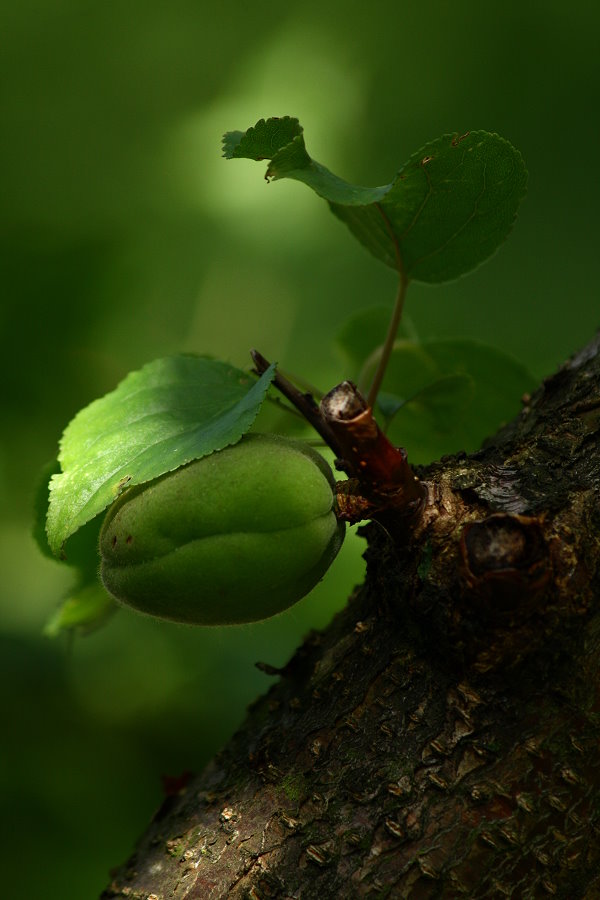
point(388, 405)
point(444, 396)
point(88, 605)
point(87, 608)
point(446, 403)
point(443, 402)
point(172, 411)
point(446, 211)
point(364, 331)
point(40, 507)
point(83, 546)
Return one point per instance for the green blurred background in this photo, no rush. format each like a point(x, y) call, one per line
point(127, 237)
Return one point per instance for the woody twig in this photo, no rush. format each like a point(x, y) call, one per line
point(379, 476)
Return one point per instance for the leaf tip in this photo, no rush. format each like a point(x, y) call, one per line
point(230, 141)
point(262, 140)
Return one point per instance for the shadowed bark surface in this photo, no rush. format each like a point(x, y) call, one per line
point(441, 738)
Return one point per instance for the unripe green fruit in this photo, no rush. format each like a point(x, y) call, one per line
point(237, 536)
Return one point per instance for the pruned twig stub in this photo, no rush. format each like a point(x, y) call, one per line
point(382, 470)
point(380, 477)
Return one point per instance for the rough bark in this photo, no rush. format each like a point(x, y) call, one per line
point(441, 738)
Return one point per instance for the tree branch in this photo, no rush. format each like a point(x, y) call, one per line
point(440, 737)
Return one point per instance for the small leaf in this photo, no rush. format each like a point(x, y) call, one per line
point(264, 140)
point(446, 403)
point(409, 370)
point(389, 404)
point(282, 141)
point(86, 609)
point(170, 412)
point(364, 331)
point(440, 405)
point(458, 392)
point(446, 211)
point(436, 420)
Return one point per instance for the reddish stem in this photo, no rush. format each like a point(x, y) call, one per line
point(367, 454)
point(380, 476)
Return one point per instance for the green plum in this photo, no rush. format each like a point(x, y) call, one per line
point(236, 536)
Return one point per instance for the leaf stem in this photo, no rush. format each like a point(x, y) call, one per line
point(389, 340)
point(304, 403)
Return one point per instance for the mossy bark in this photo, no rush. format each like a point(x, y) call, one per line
point(441, 738)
